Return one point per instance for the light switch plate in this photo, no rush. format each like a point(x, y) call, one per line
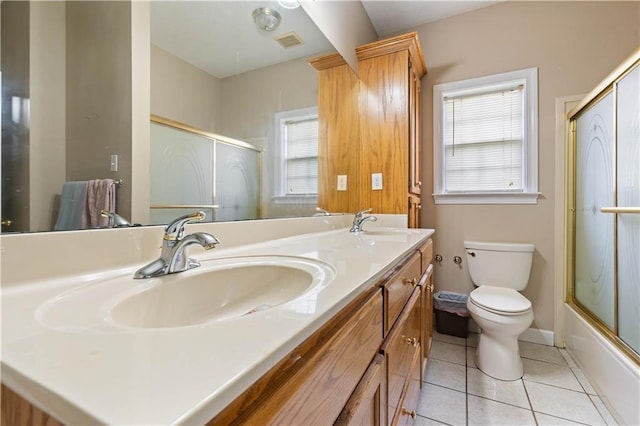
point(114, 162)
point(342, 182)
point(376, 181)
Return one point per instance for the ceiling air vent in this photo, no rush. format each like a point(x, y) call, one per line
point(289, 40)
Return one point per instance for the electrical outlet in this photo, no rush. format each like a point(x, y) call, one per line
point(342, 182)
point(376, 181)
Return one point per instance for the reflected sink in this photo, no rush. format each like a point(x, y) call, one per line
point(219, 290)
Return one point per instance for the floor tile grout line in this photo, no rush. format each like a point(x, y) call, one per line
point(466, 383)
point(535, 419)
point(554, 386)
point(432, 419)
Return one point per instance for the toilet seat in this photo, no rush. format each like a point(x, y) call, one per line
point(500, 300)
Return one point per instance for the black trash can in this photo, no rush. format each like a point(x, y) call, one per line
point(452, 315)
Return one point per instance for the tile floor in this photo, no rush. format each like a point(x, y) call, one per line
point(553, 390)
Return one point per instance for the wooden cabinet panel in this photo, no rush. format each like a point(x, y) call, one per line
point(384, 131)
point(368, 403)
point(398, 289)
point(338, 137)
point(17, 411)
point(319, 389)
point(407, 413)
point(400, 349)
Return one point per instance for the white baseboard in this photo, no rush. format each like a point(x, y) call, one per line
point(539, 336)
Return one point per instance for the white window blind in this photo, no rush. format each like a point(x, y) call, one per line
point(301, 156)
point(483, 139)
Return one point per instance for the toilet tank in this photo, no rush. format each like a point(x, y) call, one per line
point(499, 264)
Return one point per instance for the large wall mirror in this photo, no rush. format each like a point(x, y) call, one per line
point(70, 74)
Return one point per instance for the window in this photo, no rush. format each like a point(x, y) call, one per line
point(485, 140)
point(297, 162)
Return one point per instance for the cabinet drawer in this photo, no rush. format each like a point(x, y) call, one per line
point(409, 403)
point(319, 389)
point(400, 348)
point(426, 251)
point(398, 289)
point(368, 403)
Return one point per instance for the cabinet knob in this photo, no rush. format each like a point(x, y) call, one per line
point(411, 413)
point(412, 281)
point(419, 183)
point(6, 222)
point(413, 341)
point(431, 287)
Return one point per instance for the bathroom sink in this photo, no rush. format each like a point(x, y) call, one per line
point(220, 289)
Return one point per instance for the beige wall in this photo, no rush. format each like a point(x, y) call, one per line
point(184, 93)
point(47, 135)
point(574, 45)
point(99, 108)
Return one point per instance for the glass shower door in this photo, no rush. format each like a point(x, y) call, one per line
point(606, 214)
point(628, 194)
point(594, 261)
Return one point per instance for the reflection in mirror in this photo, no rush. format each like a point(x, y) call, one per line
point(67, 108)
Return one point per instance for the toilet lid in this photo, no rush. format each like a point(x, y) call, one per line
point(500, 299)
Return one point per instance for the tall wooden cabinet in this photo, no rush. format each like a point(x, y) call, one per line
point(379, 136)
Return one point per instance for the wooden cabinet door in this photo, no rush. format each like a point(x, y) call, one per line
point(409, 402)
point(415, 183)
point(400, 349)
point(398, 290)
point(368, 403)
point(426, 282)
point(415, 207)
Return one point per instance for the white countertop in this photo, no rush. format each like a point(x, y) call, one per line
point(118, 375)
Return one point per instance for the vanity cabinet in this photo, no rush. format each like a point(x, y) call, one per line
point(363, 367)
point(370, 124)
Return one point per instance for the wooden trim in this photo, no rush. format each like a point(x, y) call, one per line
point(327, 61)
point(407, 41)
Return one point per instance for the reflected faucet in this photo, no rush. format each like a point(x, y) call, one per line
point(174, 256)
point(115, 220)
point(321, 212)
point(360, 219)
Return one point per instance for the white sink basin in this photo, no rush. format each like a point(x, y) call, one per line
point(219, 290)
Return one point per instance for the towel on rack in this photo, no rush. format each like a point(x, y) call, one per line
point(101, 195)
point(72, 206)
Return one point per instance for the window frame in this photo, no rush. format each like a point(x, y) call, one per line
point(280, 185)
point(529, 195)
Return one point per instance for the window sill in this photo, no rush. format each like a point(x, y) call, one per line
point(488, 198)
point(295, 199)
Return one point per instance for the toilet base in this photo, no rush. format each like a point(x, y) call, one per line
point(499, 357)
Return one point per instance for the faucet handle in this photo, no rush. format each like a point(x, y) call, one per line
point(361, 213)
point(175, 230)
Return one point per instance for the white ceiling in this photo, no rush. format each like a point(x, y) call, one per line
point(391, 17)
point(221, 38)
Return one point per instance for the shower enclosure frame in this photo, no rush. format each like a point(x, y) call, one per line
point(607, 87)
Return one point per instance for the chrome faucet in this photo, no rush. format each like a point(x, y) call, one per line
point(174, 256)
point(360, 219)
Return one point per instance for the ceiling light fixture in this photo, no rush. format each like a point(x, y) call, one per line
point(266, 19)
point(289, 4)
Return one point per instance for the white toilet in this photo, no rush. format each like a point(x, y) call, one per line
point(500, 271)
